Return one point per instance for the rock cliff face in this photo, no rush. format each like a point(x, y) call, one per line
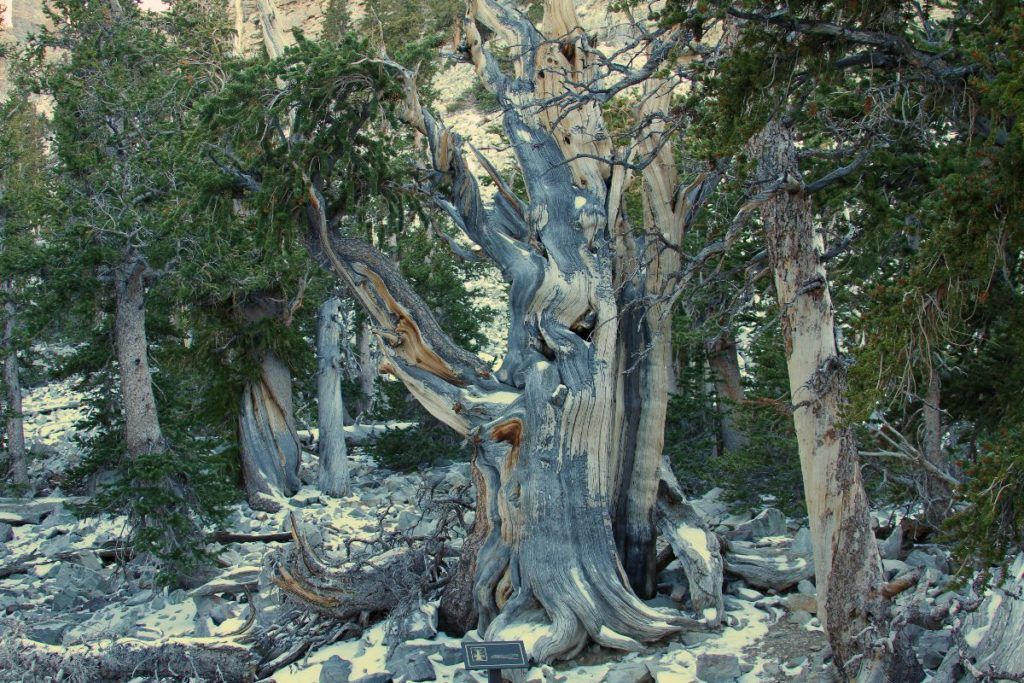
point(268, 24)
point(21, 19)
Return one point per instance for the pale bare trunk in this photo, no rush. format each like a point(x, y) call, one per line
point(848, 569)
point(16, 455)
point(367, 369)
point(269, 441)
point(333, 476)
point(937, 493)
point(724, 361)
point(138, 404)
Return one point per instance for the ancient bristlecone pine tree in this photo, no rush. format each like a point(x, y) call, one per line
point(568, 432)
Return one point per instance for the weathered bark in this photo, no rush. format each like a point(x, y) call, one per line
point(724, 361)
point(138, 404)
point(848, 568)
point(568, 432)
point(367, 369)
point(694, 545)
point(989, 641)
point(16, 455)
point(937, 491)
point(270, 445)
point(333, 477)
point(457, 611)
point(208, 659)
point(776, 568)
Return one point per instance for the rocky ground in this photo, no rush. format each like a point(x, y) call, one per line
point(63, 584)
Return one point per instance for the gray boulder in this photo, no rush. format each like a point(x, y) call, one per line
point(801, 546)
point(419, 623)
point(770, 522)
point(6, 532)
point(892, 547)
point(51, 632)
point(335, 670)
point(717, 668)
point(932, 646)
point(628, 672)
point(378, 677)
point(414, 666)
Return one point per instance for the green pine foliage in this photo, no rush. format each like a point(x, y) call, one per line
point(124, 87)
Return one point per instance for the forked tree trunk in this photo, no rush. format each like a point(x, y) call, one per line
point(16, 455)
point(333, 476)
point(848, 569)
point(271, 453)
point(141, 421)
point(568, 433)
point(724, 361)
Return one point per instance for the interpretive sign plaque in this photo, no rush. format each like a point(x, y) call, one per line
point(495, 655)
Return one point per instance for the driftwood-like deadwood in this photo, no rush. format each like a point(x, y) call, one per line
point(205, 659)
point(695, 546)
point(568, 430)
point(989, 639)
point(351, 591)
point(771, 567)
point(333, 476)
point(270, 444)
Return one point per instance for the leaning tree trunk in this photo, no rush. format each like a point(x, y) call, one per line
point(141, 421)
point(271, 454)
point(848, 569)
point(16, 455)
point(333, 477)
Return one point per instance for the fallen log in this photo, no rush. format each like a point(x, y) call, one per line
point(235, 580)
point(350, 590)
point(696, 547)
point(236, 537)
point(206, 659)
point(357, 434)
point(771, 567)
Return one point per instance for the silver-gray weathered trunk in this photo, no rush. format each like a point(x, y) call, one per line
point(268, 438)
point(138, 404)
point(937, 491)
point(333, 477)
point(568, 432)
point(848, 568)
point(367, 369)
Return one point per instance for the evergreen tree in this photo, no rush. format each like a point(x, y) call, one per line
point(123, 83)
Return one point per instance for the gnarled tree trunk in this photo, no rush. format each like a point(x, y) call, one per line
point(270, 445)
point(141, 421)
point(271, 451)
point(333, 475)
point(568, 432)
point(848, 569)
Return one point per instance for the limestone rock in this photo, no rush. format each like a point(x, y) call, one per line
point(718, 668)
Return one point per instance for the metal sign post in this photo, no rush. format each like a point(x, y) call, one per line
point(495, 656)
